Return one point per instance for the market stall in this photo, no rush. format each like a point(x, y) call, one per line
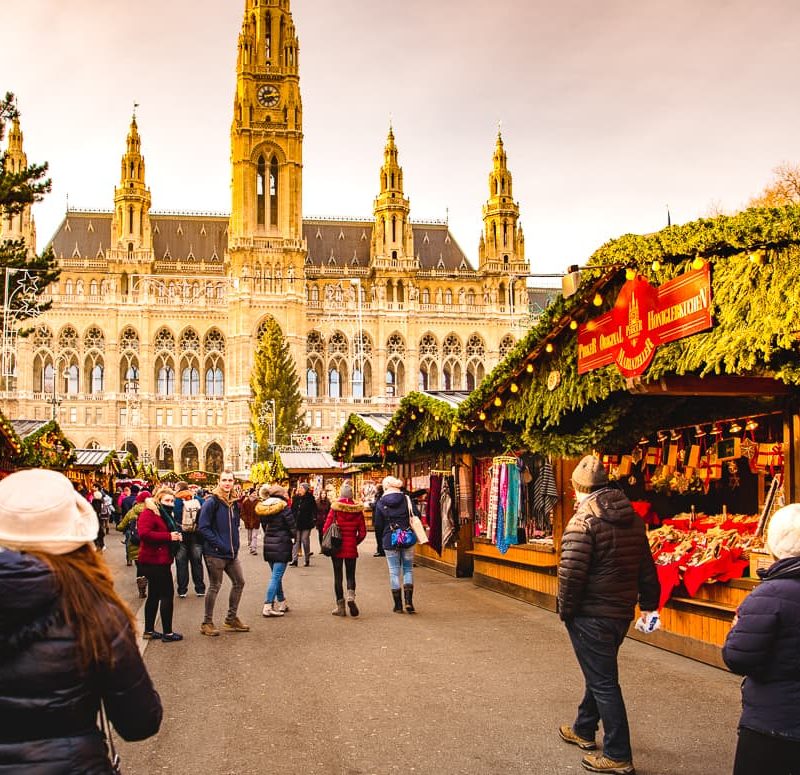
point(677, 361)
point(94, 466)
point(10, 447)
point(44, 445)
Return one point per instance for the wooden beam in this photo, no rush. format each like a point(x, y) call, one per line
point(689, 385)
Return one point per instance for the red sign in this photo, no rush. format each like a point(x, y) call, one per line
point(643, 318)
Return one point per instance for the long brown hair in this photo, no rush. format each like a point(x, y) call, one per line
point(86, 589)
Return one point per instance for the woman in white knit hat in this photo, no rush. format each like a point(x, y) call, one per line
point(764, 646)
point(67, 640)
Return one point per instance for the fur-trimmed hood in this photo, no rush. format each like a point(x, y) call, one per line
point(270, 506)
point(347, 505)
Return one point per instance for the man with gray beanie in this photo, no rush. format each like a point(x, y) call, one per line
point(606, 568)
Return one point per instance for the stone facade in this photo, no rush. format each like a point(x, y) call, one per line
point(155, 318)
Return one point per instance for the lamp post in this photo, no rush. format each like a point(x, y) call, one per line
point(55, 400)
point(356, 283)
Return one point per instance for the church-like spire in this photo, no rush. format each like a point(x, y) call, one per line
point(20, 226)
point(502, 247)
point(130, 226)
point(393, 236)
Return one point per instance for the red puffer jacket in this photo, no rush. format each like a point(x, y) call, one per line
point(154, 536)
point(350, 518)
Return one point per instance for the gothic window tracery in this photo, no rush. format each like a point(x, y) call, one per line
point(164, 341)
point(94, 339)
point(214, 342)
point(506, 345)
point(67, 339)
point(337, 345)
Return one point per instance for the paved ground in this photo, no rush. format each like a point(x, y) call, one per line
point(476, 683)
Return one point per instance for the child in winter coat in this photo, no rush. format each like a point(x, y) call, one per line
point(349, 515)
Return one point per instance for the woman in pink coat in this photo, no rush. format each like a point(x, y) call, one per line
point(349, 515)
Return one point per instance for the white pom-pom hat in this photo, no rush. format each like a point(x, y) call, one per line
point(783, 533)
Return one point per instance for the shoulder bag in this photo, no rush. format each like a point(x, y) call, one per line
point(105, 727)
point(416, 524)
point(331, 539)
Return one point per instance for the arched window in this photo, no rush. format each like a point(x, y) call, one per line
point(426, 296)
point(334, 384)
point(448, 297)
point(214, 458)
point(261, 191)
point(96, 384)
point(394, 227)
point(190, 381)
point(93, 288)
point(48, 378)
point(72, 379)
point(165, 383)
point(390, 383)
point(190, 460)
point(312, 385)
point(131, 379)
point(68, 288)
point(358, 383)
point(273, 192)
point(215, 382)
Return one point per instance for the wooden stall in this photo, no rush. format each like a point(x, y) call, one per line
point(44, 445)
point(676, 361)
point(10, 447)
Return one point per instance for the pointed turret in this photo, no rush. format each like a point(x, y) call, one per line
point(393, 235)
point(130, 226)
point(266, 133)
point(20, 226)
point(502, 247)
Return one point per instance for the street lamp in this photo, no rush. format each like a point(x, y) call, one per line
point(55, 400)
point(356, 283)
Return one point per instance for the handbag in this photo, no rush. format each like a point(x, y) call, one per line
point(331, 539)
point(105, 727)
point(402, 537)
point(416, 524)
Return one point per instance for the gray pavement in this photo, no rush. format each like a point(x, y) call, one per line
point(474, 683)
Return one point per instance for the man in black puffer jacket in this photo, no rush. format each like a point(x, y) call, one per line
point(605, 568)
point(764, 646)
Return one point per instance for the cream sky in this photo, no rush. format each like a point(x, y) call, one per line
point(611, 109)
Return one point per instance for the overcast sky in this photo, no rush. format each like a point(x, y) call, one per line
point(611, 109)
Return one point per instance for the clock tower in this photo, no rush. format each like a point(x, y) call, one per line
point(267, 131)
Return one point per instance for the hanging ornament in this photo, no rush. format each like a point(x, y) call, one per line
point(733, 475)
point(632, 481)
point(636, 455)
point(749, 449)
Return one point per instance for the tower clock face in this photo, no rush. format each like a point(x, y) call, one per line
point(268, 96)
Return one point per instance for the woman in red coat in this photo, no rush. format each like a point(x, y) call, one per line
point(350, 518)
point(158, 534)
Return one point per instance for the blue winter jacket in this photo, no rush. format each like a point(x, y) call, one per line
point(391, 511)
point(219, 525)
point(764, 646)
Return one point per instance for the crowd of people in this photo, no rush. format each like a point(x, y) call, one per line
point(70, 669)
point(198, 532)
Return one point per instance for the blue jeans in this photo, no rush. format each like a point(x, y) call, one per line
point(190, 553)
point(397, 559)
point(275, 586)
point(596, 641)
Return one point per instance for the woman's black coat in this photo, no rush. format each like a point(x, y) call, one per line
point(48, 709)
point(277, 521)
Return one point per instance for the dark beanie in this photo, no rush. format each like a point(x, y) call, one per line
point(589, 475)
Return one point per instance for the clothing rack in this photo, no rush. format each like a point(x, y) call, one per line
point(500, 460)
point(441, 471)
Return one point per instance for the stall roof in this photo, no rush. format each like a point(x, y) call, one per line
point(92, 458)
point(25, 428)
point(377, 422)
point(308, 461)
point(754, 257)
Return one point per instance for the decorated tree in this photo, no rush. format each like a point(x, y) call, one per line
point(21, 185)
point(276, 400)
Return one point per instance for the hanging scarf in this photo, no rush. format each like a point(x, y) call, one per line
point(464, 493)
point(545, 496)
point(448, 521)
point(435, 519)
point(492, 510)
point(512, 504)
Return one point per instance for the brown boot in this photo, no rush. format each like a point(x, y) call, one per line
point(351, 602)
point(408, 592)
point(339, 610)
point(141, 583)
point(601, 763)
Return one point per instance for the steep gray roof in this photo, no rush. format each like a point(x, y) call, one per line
point(187, 237)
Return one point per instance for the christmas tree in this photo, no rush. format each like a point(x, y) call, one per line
point(277, 403)
point(21, 186)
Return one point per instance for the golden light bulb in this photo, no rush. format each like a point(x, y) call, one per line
point(549, 347)
point(630, 274)
point(498, 401)
point(698, 263)
point(656, 265)
point(597, 300)
point(482, 416)
point(529, 368)
point(573, 324)
point(514, 387)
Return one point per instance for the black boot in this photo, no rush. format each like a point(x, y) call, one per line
point(398, 601)
point(408, 592)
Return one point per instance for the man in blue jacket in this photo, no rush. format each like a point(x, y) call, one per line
point(219, 526)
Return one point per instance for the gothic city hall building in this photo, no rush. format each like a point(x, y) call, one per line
point(156, 317)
